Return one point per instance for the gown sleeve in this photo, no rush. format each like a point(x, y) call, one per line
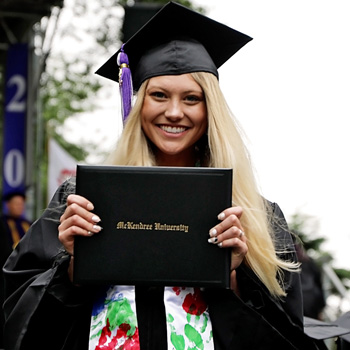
point(257, 320)
point(39, 298)
point(293, 302)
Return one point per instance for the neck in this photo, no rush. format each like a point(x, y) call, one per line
point(180, 160)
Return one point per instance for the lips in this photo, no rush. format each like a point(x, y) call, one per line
point(173, 129)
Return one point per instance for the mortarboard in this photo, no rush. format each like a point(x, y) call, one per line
point(320, 330)
point(8, 196)
point(176, 40)
point(344, 321)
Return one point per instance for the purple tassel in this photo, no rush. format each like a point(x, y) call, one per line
point(125, 83)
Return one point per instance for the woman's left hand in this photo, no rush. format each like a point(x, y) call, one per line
point(229, 233)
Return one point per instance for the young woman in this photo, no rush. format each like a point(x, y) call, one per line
point(180, 118)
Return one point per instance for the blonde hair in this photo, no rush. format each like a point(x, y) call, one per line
point(226, 150)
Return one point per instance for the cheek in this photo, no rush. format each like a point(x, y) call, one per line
point(146, 112)
point(144, 115)
point(202, 119)
point(146, 121)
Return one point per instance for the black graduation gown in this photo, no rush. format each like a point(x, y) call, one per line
point(5, 251)
point(6, 246)
point(43, 310)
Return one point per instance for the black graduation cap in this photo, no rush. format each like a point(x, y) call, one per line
point(320, 330)
point(8, 196)
point(176, 40)
point(344, 321)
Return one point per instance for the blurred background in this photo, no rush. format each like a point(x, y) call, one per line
point(289, 88)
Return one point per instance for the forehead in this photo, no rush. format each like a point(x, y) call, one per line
point(16, 199)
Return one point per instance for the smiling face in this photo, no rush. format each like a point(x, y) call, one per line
point(174, 117)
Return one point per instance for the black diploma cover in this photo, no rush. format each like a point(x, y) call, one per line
point(156, 223)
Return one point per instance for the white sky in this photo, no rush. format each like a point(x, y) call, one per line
point(289, 88)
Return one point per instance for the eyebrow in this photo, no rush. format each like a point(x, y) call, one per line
point(149, 87)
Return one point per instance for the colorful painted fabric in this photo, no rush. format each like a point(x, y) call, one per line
point(114, 322)
point(188, 321)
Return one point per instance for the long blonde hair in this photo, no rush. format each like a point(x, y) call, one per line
point(226, 150)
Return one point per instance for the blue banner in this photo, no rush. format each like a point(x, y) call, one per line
point(15, 111)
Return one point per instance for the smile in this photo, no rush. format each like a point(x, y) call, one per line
point(173, 129)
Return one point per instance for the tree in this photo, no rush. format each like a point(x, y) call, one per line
point(305, 228)
point(87, 34)
point(90, 30)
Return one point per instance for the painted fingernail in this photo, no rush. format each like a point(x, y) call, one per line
point(97, 228)
point(220, 245)
point(213, 240)
point(213, 232)
point(95, 218)
point(90, 233)
point(221, 216)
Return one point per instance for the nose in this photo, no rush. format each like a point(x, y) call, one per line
point(174, 110)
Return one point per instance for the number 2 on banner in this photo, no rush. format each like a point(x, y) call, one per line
point(16, 104)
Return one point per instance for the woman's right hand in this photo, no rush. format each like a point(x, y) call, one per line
point(77, 220)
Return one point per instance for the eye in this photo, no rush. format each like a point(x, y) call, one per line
point(193, 98)
point(158, 94)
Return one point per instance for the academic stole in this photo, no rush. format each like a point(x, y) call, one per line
point(114, 322)
point(15, 235)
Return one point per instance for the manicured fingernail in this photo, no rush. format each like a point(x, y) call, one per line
point(97, 228)
point(221, 216)
point(220, 244)
point(213, 232)
point(95, 218)
point(213, 240)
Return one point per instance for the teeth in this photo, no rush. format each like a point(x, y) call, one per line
point(173, 129)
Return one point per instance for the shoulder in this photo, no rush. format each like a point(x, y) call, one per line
point(63, 191)
point(58, 201)
point(274, 209)
point(282, 236)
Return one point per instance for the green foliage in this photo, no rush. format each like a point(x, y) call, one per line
point(104, 28)
point(68, 85)
point(305, 228)
point(344, 276)
point(186, 3)
point(66, 91)
point(88, 32)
